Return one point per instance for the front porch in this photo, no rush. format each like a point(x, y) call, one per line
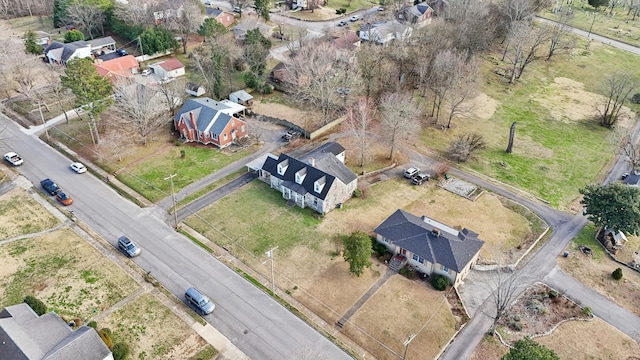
point(397, 262)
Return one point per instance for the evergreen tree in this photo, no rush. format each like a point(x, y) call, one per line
point(30, 43)
point(357, 252)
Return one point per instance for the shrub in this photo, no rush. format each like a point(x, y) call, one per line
point(120, 351)
point(587, 311)
point(635, 98)
point(617, 274)
point(377, 247)
point(36, 305)
point(440, 282)
point(267, 89)
point(357, 192)
point(553, 294)
point(105, 335)
point(92, 324)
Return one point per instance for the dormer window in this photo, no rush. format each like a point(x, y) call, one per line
point(300, 175)
point(282, 167)
point(318, 185)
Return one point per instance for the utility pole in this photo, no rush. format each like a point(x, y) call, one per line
point(270, 256)
point(406, 344)
point(591, 27)
point(173, 197)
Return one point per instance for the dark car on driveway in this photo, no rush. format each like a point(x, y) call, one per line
point(49, 186)
point(420, 178)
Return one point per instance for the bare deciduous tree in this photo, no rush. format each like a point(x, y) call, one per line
point(187, 22)
point(89, 18)
point(360, 121)
point(514, 49)
point(617, 88)
point(504, 290)
point(464, 86)
point(213, 63)
point(172, 94)
point(370, 64)
point(399, 118)
point(633, 153)
point(316, 75)
point(451, 71)
point(139, 108)
point(52, 77)
point(116, 144)
point(462, 148)
point(134, 12)
point(241, 4)
point(559, 34)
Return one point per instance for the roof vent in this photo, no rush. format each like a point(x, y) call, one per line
point(435, 232)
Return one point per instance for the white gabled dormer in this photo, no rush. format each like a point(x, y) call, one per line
point(300, 175)
point(282, 167)
point(318, 185)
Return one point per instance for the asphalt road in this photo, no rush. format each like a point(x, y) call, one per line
point(253, 321)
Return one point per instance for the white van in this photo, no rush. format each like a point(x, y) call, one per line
point(199, 300)
point(411, 172)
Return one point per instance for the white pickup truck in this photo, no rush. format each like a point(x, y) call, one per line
point(13, 158)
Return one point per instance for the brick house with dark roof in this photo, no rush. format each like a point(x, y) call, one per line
point(206, 121)
point(429, 246)
point(319, 180)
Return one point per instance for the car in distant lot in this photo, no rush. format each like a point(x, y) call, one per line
point(196, 298)
point(411, 172)
point(354, 18)
point(13, 158)
point(129, 247)
point(146, 72)
point(122, 52)
point(49, 186)
point(342, 23)
point(420, 178)
point(78, 167)
point(236, 9)
point(63, 198)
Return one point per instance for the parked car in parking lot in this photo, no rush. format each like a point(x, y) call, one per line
point(411, 172)
point(420, 178)
point(129, 247)
point(199, 300)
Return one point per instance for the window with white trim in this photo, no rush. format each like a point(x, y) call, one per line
point(418, 259)
point(445, 269)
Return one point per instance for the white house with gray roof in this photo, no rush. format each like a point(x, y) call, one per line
point(383, 33)
point(319, 179)
point(429, 246)
point(26, 336)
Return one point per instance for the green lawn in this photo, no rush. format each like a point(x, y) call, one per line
point(620, 26)
point(256, 218)
point(587, 237)
point(552, 157)
point(148, 177)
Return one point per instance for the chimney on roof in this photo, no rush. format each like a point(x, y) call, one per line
point(435, 232)
point(312, 162)
point(193, 120)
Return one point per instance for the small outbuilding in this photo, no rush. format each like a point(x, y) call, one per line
point(241, 97)
point(194, 89)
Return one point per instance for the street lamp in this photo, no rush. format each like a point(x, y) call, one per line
point(406, 344)
point(173, 197)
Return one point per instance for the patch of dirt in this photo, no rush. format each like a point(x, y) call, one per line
point(304, 119)
point(537, 311)
point(65, 272)
point(151, 329)
point(403, 314)
point(20, 214)
point(566, 100)
point(483, 106)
